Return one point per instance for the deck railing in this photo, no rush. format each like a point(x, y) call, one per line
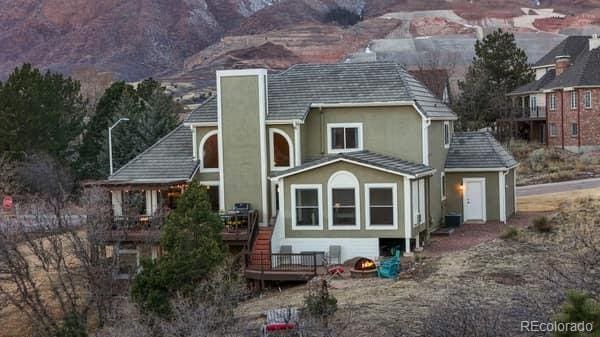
point(283, 262)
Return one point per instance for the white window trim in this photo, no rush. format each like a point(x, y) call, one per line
point(394, 188)
point(319, 189)
point(446, 125)
point(330, 186)
point(359, 126)
point(201, 150)
point(552, 102)
point(552, 127)
point(574, 100)
point(443, 185)
point(585, 100)
point(272, 166)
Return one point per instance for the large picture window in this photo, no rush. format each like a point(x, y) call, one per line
point(344, 201)
point(306, 207)
point(344, 137)
point(209, 152)
point(381, 206)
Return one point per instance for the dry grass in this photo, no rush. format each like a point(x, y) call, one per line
point(551, 202)
point(541, 164)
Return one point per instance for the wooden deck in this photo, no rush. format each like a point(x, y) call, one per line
point(282, 267)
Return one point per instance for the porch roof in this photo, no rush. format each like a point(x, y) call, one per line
point(169, 160)
point(364, 158)
point(477, 150)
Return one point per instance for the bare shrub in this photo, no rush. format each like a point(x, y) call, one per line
point(542, 224)
point(511, 233)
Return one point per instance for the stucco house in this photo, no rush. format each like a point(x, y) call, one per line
point(360, 156)
point(561, 107)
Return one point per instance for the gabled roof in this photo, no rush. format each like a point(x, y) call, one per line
point(477, 150)
point(292, 92)
point(572, 46)
point(584, 72)
point(169, 159)
point(537, 85)
point(366, 158)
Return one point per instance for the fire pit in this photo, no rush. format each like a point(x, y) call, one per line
point(364, 268)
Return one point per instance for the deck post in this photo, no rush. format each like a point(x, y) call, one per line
point(315, 263)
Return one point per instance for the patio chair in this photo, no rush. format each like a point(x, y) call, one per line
point(389, 268)
point(285, 260)
point(279, 321)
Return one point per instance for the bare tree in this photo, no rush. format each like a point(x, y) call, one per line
point(51, 261)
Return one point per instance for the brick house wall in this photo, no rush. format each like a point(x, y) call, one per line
point(562, 118)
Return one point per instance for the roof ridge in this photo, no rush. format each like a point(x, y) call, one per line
point(136, 158)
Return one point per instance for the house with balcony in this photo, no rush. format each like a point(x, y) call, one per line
point(353, 158)
point(561, 106)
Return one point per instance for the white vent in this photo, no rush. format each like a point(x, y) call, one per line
point(594, 42)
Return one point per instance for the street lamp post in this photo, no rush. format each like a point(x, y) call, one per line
point(110, 141)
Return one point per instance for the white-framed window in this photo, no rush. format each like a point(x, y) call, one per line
point(443, 185)
point(574, 129)
point(209, 152)
point(552, 101)
point(281, 150)
point(344, 137)
point(307, 206)
point(532, 102)
point(587, 99)
point(574, 99)
point(381, 206)
point(343, 201)
point(418, 201)
point(446, 134)
point(553, 130)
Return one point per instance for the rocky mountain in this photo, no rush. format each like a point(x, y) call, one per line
point(132, 38)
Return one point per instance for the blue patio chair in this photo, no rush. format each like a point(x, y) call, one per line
point(389, 268)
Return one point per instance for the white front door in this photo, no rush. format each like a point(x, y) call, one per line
point(474, 199)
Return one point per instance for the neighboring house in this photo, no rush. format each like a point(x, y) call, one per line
point(562, 106)
point(356, 155)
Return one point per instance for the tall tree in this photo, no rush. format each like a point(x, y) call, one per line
point(40, 112)
point(499, 66)
point(193, 250)
point(152, 114)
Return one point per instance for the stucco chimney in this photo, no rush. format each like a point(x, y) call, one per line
point(562, 63)
point(594, 41)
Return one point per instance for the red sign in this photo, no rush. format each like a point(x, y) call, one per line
point(7, 202)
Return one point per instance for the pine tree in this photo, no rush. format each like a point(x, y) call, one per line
point(499, 66)
point(152, 114)
point(579, 307)
point(193, 250)
point(40, 112)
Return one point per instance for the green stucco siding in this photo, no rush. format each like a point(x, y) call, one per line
point(454, 196)
point(394, 131)
point(364, 175)
point(240, 118)
point(437, 160)
point(510, 193)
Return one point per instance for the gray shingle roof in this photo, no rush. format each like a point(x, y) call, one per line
point(368, 158)
point(169, 159)
point(572, 46)
point(207, 112)
point(291, 93)
point(477, 150)
point(583, 72)
point(537, 85)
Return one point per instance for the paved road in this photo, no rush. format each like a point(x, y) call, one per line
point(563, 186)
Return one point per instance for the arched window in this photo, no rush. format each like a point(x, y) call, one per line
point(209, 152)
point(282, 153)
point(343, 200)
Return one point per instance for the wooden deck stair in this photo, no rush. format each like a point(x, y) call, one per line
point(262, 248)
